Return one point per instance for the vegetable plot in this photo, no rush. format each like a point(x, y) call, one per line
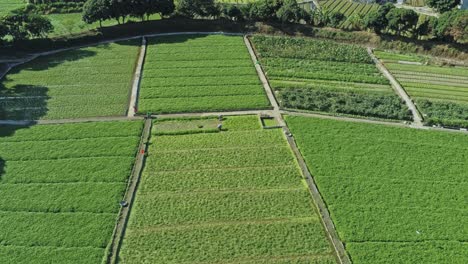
point(440, 93)
point(61, 186)
point(326, 76)
point(224, 197)
point(395, 194)
point(86, 82)
point(196, 73)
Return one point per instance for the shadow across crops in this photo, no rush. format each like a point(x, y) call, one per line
point(26, 99)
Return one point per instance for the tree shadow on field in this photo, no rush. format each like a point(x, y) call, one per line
point(24, 99)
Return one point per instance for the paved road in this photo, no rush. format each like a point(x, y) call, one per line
point(400, 91)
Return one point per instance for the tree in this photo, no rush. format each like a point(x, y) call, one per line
point(459, 28)
point(402, 20)
point(119, 9)
point(453, 25)
point(96, 10)
point(291, 12)
point(377, 20)
point(21, 25)
point(232, 12)
point(198, 8)
point(38, 26)
point(443, 5)
point(355, 21)
point(335, 19)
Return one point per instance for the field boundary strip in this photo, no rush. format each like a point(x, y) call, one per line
point(133, 103)
point(119, 229)
point(322, 209)
point(418, 120)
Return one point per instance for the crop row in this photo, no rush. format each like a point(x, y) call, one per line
point(220, 206)
point(71, 131)
point(221, 243)
point(344, 102)
point(310, 49)
point(20, 254)
point(418, 200)
point(266, 177)
point(200, 91)
point(280, 83)
point(206, 71)
point(201, 104)
point(455, 71)
point(327, 75)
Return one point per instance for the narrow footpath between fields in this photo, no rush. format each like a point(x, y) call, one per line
point(418, 120)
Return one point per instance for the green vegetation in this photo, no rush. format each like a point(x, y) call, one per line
point(440, 92)
point(61, 186)
point(195, 73)
point(223, 197)
point(348, 8)
point(326, 76)
point(8, 5)
point(395, 194)
point(86, 82)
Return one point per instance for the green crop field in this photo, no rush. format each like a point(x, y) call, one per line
point(326, 76)
point(396, 195)
point(228, 197)
point(195, 73)
point(61, 186)
point(87, 82)
point(8, 5)
point(440, 92)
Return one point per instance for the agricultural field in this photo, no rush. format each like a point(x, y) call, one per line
point(396, 195)
point(440, 92)
point(87, 82)
point(7, 5)
point(236, 1)
point(61, 186)
point(326, 76)
point(196, 73)
point(222, 197)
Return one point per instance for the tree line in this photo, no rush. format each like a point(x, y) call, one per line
point(387, 19)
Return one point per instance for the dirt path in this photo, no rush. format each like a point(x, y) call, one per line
point(322, 209)
point(119, 230)
point(397, 87)
point(133, 105)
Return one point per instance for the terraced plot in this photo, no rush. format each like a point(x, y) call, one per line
point(326, 76)
point(196, 73)
point(61, 186)
point(347, 8)
point(230, 197)
point(86, 82)
point(441, 93)
point(396, 195)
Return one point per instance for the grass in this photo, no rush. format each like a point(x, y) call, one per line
point(223, 197)
point(87, 82)
point(326, 76)
point(8, 5)
point(72, 23)
point(61, 196)
point(196, 73)
point(395, 194)
point(440, 92)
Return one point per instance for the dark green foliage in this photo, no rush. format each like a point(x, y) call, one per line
point(444, 113)
point(443, 5)
point(453, 25)
point(402, 20)
point(380, 106)
point(198, 8)
point(21, 25)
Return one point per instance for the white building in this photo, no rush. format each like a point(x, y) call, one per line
point(464, 4)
